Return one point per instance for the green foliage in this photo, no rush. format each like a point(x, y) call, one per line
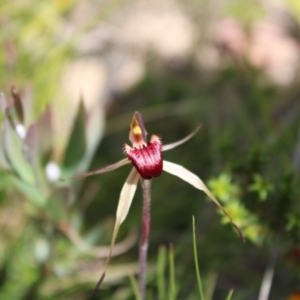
point(45, 202)
point(199, 282)
point(229, 295)
point(247, 11)
point(28, 55)
point(135, 287)
point(77, 143)
point(294, 8)
point(247, 147)
point(261, 186)
point(173, 287)
point(229, 194)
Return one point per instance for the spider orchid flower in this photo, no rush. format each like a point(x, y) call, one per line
point(147, 160)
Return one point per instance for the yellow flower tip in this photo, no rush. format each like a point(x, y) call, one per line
point(137, 134)
point(136, 129)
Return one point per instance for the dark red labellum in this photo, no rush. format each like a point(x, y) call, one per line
point(147, 160)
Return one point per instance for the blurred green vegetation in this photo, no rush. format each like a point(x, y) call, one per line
point(247, 152)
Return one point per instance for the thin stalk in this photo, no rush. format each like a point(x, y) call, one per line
point(200, 288)
point(268, 275)
point(172, 289)
point(146, 186)
point(135, 287)
point(161, 265)
point(229, 294)
point(210, 285)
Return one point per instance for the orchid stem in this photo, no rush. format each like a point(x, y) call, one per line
point(146, 186)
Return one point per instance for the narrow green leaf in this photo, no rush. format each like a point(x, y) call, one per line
point(30, 147)
point(172, 287)
point(45, 134)
point(31, 192)
point(17, 104)
point(135, 287)
point(14, 155)
point(56, 204)
point(77, 143)
point(210, 285)
point(200, 289)
point(160, 271)
point(229, 294)
point(3, 103)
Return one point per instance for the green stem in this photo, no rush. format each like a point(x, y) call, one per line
point(200, 288)
point(172, 290)
point(161, 264)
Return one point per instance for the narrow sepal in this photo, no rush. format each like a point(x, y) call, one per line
point(125, 201)
point(126, 195)
point(109, 168)
point(195, 181)
point(180, 142)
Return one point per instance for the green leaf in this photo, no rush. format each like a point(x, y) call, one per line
point(262, 186)
point(17, 104)
point(199, 282)
point(77, 143)
point(229, 294)
point(135, 287)
point(45, 135)
point(14, 155)
point(160, 269)
point(223, 188)
point(56, 204)
point(31, 192)
point(31, 144)
point(173, 289)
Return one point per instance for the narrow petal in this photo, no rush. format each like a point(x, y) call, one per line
point(126, 195)
point(125, 201)
point(112, 167)
point(178, 143)
point(195, 181)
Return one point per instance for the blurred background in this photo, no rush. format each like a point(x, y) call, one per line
point(72, 73)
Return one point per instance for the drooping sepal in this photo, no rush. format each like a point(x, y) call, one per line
point(147, 159)
point(195, 181)
point(125, 201)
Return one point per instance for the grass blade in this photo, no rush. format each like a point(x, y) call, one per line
point(160, 271)
point(172, 284)
point(135, 287)
point(229, 294)
point(200, 289)
point(210, 285)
